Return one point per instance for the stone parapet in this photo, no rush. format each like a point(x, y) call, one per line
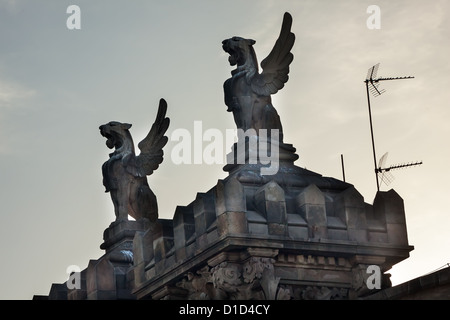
point(107, 278)
point(305, 236)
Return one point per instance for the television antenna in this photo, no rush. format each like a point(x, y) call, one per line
point(372, 85)
point(385, 172)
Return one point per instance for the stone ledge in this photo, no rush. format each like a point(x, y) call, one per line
point(235, 242)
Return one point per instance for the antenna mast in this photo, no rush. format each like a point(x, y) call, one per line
point(372, 83)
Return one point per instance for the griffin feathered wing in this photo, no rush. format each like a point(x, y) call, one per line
point(276, 65)
point(152, 145)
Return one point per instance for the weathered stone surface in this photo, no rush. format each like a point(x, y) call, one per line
point(297, 227)
point(389, 208)
point(101, 282)
point(391, 204)
point(120, 234)
point(183, 230)
point(270, 201)
point(311, 206)
point(163, 240)
point(351, 209)
point(204, 212)
point(58, 291)
point(270, 192)
point(141, 257)
point(234, 196)
point(232, 223)
point(230, 207)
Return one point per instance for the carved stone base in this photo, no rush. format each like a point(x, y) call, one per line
point(109, 277)
point(120, 234)
point(260, 153)
point(234, 276)
point(298, 235)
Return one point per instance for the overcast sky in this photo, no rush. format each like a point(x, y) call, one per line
point(58, 85)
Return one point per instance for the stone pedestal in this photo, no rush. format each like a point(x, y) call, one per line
point(107, 278)
point(119, 235)
point(291, 235)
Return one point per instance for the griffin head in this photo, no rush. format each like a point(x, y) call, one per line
point(239, 49)
point(116, 133)
point(275, 67)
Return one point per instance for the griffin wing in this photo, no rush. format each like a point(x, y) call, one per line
point(152, 145)
point(276, 65)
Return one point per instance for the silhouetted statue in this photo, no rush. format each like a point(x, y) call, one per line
point(247, 92)
point(125, 174)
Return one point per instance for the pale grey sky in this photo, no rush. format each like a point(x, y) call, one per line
point(58, 85)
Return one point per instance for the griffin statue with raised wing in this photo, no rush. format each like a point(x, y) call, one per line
point(125, 174)
point(247, 92)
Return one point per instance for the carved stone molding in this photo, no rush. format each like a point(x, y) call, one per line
point(252, 279)
point(196, 285)
point(316, 292)
point(254, 268)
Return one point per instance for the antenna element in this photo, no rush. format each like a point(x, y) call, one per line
point(372, 84)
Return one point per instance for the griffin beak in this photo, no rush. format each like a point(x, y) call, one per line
point(226, 47)
point(110, 141)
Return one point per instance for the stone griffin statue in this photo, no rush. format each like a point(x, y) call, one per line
point(125, 174)
point(247, 92)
